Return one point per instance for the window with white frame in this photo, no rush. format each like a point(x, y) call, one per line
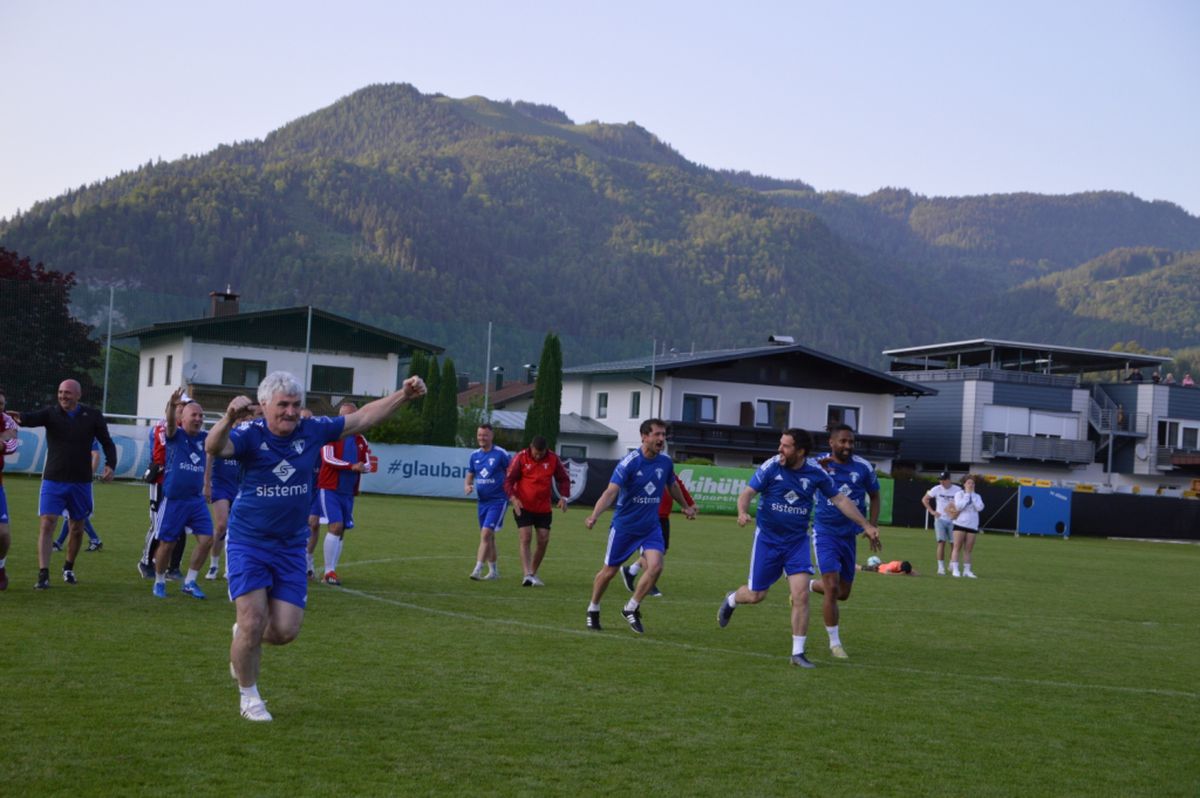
point(602, 405)
point(772, 413)
point(569, 452)
point(843, 414)
point(700, 407)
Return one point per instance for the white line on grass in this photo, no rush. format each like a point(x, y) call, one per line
point(1058, 685)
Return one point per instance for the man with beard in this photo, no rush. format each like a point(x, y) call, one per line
point(834, 534)
point(637, 485)
point(787, 484)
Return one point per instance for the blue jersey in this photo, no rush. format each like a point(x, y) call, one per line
point(183, 476)
point(785, 499)
point(277, 480)
point(643, 481)
point(489, 469)
point(226, 474)
point(854, 480)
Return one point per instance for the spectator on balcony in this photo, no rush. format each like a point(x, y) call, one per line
point(1187, 381)
point(1169, 379)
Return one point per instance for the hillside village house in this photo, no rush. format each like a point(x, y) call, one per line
point(1025, 410)
point(729, 405)
point(228, 353)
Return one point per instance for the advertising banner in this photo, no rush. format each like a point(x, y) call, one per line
point(419, 471)
point(133, 451)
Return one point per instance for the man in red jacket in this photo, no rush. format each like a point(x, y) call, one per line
point(528, 488)
point(343, 463)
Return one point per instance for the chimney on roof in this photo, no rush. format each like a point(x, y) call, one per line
point(224, 303)
point(499, 372)
point(530, 373)
point(781, 340)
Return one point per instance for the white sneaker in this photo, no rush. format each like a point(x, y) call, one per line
point(941, 571)
point(955, 574)
point(535, 582)
point(213, 572)
point(492, 575)
point(838, 652)
point(477, 574)
point(969, 574)
point(255, 709)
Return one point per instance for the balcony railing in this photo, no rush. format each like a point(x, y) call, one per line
point(1169, 457)
point(1030, 447)
point(723, 437)
point(988, 375)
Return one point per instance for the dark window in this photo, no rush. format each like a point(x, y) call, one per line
point(840, 414)
point(332, 379)
point(244, 373)
point(170, 362)
point(602, 405)
point(698, 407)
point(566, 451)
point(635, 404)
point(772, 414)
point(150, 374)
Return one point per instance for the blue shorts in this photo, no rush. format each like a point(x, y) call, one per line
point(75, 497)
point(3, 506)
point(491, 514)
point(622, 544)
point(223, 492)
point(835, 553)
point(176, 517)
point(315, 507)
point(283, 572)
point(335, 508)
point(771, 558)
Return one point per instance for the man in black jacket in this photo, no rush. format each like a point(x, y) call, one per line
point(67, 476)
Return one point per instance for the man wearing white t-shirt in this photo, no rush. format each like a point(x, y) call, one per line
point(942, 495)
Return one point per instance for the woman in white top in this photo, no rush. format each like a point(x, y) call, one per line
point(966, 526)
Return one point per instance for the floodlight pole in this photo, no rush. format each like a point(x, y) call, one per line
point(487, 375)
point(107, 352)
point(307, 351)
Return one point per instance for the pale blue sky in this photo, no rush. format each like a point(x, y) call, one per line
point(944, 98)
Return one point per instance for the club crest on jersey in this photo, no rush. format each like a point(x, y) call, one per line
point(298, 446)
point(854, 477)
point(804, 484)
point(658, 472)
point(283, 471)
point(791, 497)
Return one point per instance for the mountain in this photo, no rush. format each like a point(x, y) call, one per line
point(433, 216)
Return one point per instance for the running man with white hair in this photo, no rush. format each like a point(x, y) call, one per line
point(268, 531)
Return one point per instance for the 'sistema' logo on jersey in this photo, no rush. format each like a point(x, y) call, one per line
point(791, 496)
point(283, 471)
point(298, 446)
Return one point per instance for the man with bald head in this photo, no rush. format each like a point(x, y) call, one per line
point(67, 477)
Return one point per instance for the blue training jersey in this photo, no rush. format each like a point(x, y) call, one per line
point(226, 474)
point(277, 479)
point(489, 469)
point(183, 477)
point(785, 499)
point(854, 480)
point(643, 481)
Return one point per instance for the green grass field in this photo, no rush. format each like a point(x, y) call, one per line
point(1067, 668)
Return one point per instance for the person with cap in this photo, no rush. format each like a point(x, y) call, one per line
point(937, 502)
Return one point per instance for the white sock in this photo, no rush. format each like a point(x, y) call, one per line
point(812, 585)
point(192, 574)
point(636, 568)
point(593, 608)
point(333, 550)
point(160, 579)
point(835, 639)
point(2, 561)
point(631, 605)
point(953, 567)
point(215, 561)
point(967, 568)
point(250, 692)
point(731, 599)
point(478, 566)
point(941, 567)
point(798, 644)
point(494, 568)
point(312, 562)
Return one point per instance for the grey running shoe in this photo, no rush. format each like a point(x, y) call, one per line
point(725, 612)
point(801, 661)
